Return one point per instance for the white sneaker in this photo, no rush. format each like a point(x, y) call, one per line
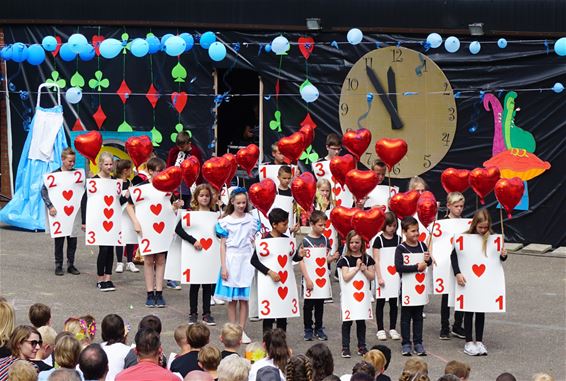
point(394, 334)
point(471, 349)
point(212, 302)
point(119, 267)
point(218, 301)
point(245, 338)
point(482, 350)
point(131, 267)
point(254, 318)
point(381, 335)
point(424, 315)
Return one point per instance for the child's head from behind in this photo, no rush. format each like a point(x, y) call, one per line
point(39, 315)
point(415, 370)
point(321, 359)
point(354, 243)
point(459, 369)
point(150, 322)
point(299, 368)
point(284, 175)
point(377, 359)
point(82, 328)
point(113, 329)
point(202, 197)
point(123, 168)
point(231, 335)
point(275, 342)
point(279, 220)
point(209, 357)
point(390, 225)
point(180, 335)
point(198, 335)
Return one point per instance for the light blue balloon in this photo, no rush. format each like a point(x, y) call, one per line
point(139, 47)
point(174, 46)
point(309, 93)
point(475, 47)
point(502, 43)
point(154, 44)
point(217, 51)
point(110, 48)
point(354, 36)
point(558, 87)
point(49, 43)
point(66, 53)
point(87, 53)
point(189, 41)
point(434, 40)
point(36, 54)
point(77, 42)
point(7, 52)
point(280, 45)
point(452, 44)
point(19, 52)
point(164, 39)
point(207, 39)
point(268, 48)
point(73, 95)
point(560, 46)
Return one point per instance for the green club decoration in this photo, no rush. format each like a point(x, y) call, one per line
point(98, 82)
point(56, 80)
point(309, 155)
point(125, 38)
point(275, 124)
point(178, 129)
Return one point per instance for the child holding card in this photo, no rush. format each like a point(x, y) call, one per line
point(481, 225)
point(237, 229)
point(354, 261)
point(410, 310)
point(387, 238)
point(123, 171)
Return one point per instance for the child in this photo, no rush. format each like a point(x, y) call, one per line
point(481, 224)
point(355, 260)
point(39, 315)
point(458, 369)
point(323, 200)
point(333, 146)
point(418, 184)
point(198, 335)
point(299, 368)
point(455, 204)
point(68, 164)
point(180, 335)
point(284, 176)
point(379, 168)
point(123, 172)
point(237, 229)
point(315, 239)
point(278, 157)
point(411, 245)
point(114, 343)
point(182, 150)
point(279, 220)
point(278, 353)
point(231, 337)
point(82, 328)
point(387, 238)
point(209, 359)
point(202, 201)
point(377, 359)
point(43, 359)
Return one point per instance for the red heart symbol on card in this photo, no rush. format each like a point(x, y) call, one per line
point(482, 181)
point(478, 269)
point(107, 225)
point(420, 288)
point(320, 261)
point(357, 141)
point(391, 151)
point(247, 158)
point(282, 259)
point(327, 233)
point(422, 237)
point(108, 200)
point(283, 276)
point(361, 182)
point(359, 296)
point(340, 166)
point(320, 271)
point(216, 170)
point(320, 282)
point(331, 241)
point(292, 146)
point(206, 243)
point(96, 40)
point(420, 277)
point(179, 100)
point(159, 226)
point(58, 47)
point(67, 194)
point(282, 291)
point(392, 270)
point(455, 180)
point(108, 212)
point(68, 210)
point(306, 46)
point(155, 208)
point(337, 190)
point(404, 204)
point(139, 149)
point(338, 202)
point(358, 284)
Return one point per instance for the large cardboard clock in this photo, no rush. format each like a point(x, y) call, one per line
point(412, 100)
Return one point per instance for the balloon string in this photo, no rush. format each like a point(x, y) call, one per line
point(502, 227)
point(389, 189)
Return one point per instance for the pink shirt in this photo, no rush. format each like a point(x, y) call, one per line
point(146, 370)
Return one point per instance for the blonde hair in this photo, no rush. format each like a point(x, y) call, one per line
point(67, 152)
point(22, 370)
point(458, 369)
point(320, 203)
point(415, 370)
point(194, 200)
point(255, 351)
point(6, 322)
point(103, 156)
point(231, 335)
point(542, 377)
point(376, 358)
point(454, 197)
point(83, 328)
point(415, 181)
point(209, 357)
point(481, 215)
point(67, 351)
point(233, 368)
point(180, 334)
point(48, 335)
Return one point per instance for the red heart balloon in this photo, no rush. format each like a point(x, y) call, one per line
point(455, 180)
point(292, 146)
point(139, 148)
point(306, 46)
point(262, 195)
point(190, 168)
point(303, 189)
point(340, 166)
point(215, 170)
point(341, 219)
point(179, 100)
point(357, 141)
point(404, 204)
point(391, 151)
point(482, 181)
point(367, 223)
point(509, 193)
point(308, 132)
point(427, 208)
point(89, 145)
point(247, 157)
point(168, 180)
point(234, 166)
point(361, 182)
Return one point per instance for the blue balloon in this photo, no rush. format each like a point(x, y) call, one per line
point(560, 46)
point(77, 42)
point(434, 40)
point(268, 48)
point(19, 52)
point(6, 52)
point(475, 47)
point(87, 53)
point(189, 41)
point(174, 46)
point(36, 54)
point(217, 51)
point(139, 47)
point(309, 93)
point(452, 44)
point(280, 45)
point(354, 36)
point(66, 53)
point(49, 43)
point(164, 40)
point(110, 48)
point(558, 87)
point(73, 95)
point(154, 44)
point(502, 43)
point(207, 39)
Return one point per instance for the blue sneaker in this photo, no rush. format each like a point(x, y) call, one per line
point(174, 285)
point(406, 350)
point(321, 335)
point(308, 334)
point(419, 350)
point(159, 301)
point(150, 302)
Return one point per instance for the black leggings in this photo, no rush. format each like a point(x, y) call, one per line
point(280, 323)
point(414, 314)
point(308, 306)
point(105, 260)
point(445, 316)
point(71, 249)
point(480, 321)
point(206, 295)
point(379, 306)
point(360, 333)
point(130, 249)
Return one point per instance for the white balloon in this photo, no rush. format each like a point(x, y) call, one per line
point(280, 45)
point(434, 40)
point(354, 36)
point(309, 93)
point(452, 44)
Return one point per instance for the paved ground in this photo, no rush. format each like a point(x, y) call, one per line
point(529, 338)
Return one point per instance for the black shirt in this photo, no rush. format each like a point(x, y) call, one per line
point(393, 242)
point(260, 266)
point(349, 261)
point(41, 365)
point(284, 192)
point(186, 363)
point(405, 248)
point(226, 353)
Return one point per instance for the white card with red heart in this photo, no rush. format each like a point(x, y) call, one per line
point(330, 233)
point(485, 279)
point(282, 202)
point(355, 297)
point(414, 285)
point(200, 266)
point(317, 269)
point(156, 217)
point(270, 171)
point(277, 299)
point(389, 274)
point(65, 190)
point(380, 195)
point(321, 170)
point(174, 253)
point(129, 235)
point(342, 195)
point(103, 212)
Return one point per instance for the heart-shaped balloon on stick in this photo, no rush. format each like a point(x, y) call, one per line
point(262, 195)
point(233, 167)
point(215, 170)
point(367, 223)
point(340, 166)
point(190, 168)
point(404, 204)
point(303, 189)
point(308, 133)
point(341, 219)
point(391, 151)
point(509, 193)
point(361, 182)
point(357, 141)
point(482, 181)
point(247, 158)
point(427, 208)
point(168, 180)
point(139, 149)
point(455, 180)
point(292, 146)
point(89, 145)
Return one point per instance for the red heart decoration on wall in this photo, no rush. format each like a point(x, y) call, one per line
point(306, 46)
point(168, 180)
point(292, 146)
point(262, 195)
point(89, 145)
point(96, 41)
point(391, 151)
point(455, 180)
point(427, 208)
point(215, 170)
point(482, 181)
point(361, 182)
point(179, 100)
point(357, 141)
point(509, 193)
point(139, 149)
point(303, 189)
point(404, 204)
point(233, 167)
point(58, 47)
point(341, 218)
point(367, 223)
point(340, 166)
point(247, 157)
point(190, 168)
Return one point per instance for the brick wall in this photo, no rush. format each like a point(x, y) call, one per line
point(4, 165)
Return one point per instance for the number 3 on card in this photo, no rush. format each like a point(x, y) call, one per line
point(266, 310)
point(265, 249)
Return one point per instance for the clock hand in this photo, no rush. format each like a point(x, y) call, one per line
point(391, 87)
point(395, 119)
